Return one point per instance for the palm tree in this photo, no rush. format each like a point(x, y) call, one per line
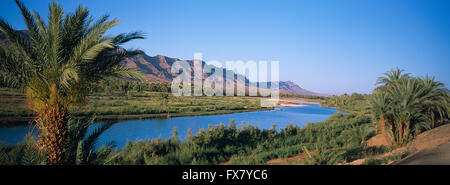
point(58, 65)
point(435, 100)
point(382, 110)
point(409, 105)
point(391, 77)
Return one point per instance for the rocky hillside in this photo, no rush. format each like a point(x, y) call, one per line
point(290, 87)
point(157, 69)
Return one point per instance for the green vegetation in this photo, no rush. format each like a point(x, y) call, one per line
point(125, 86)
point(354, 103)
point(323, 156)
point(384, 160)
point(302, 96)
point(79, 148)
point(246, 144)
point(401, 107)
point(25, 153)
point(406, 106)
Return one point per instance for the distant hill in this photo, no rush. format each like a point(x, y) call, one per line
point(157, 69)
point(289, 87)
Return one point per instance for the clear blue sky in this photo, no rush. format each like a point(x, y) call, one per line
point(334, 47)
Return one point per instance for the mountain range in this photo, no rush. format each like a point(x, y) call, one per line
point(158, 69)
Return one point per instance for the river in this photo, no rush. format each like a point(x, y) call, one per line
point(132, 130)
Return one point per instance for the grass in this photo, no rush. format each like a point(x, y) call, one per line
point(385, 160)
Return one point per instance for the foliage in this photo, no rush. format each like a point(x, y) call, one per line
point(80, 149)
point(283, 95)
point(323, 156)
point(81, 145)
point(354, 103)
point(110, 86)
point(407, 105)
point(246, 144)
point(163, 98)
point(25, 153)
point(384, 160)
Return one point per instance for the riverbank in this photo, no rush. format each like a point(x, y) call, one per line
point(284, 102)
point(295, 102)
point(144, 105)
point(21, 121)
point(165, 115)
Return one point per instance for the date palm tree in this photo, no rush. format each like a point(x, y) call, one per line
point(390, 78)
point(382, 112)
point(58, 63)
point(409, 105)
point(435, 103)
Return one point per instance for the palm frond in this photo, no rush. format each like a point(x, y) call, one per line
point(89, 142)
point(126, 37)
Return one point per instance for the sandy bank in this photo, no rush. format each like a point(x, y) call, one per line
point(294, 102)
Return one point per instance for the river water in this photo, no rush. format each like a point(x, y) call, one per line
point(132, 130)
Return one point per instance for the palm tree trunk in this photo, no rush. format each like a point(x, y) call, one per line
point(383, 129)
point(53, 136)
point(432, 120)
point(400, 133)
point(376, 126)
point(405, 130)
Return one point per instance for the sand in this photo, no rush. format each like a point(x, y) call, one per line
point(294, 102)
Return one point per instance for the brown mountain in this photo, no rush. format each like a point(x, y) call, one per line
point(157, 69)
point(289, 87)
